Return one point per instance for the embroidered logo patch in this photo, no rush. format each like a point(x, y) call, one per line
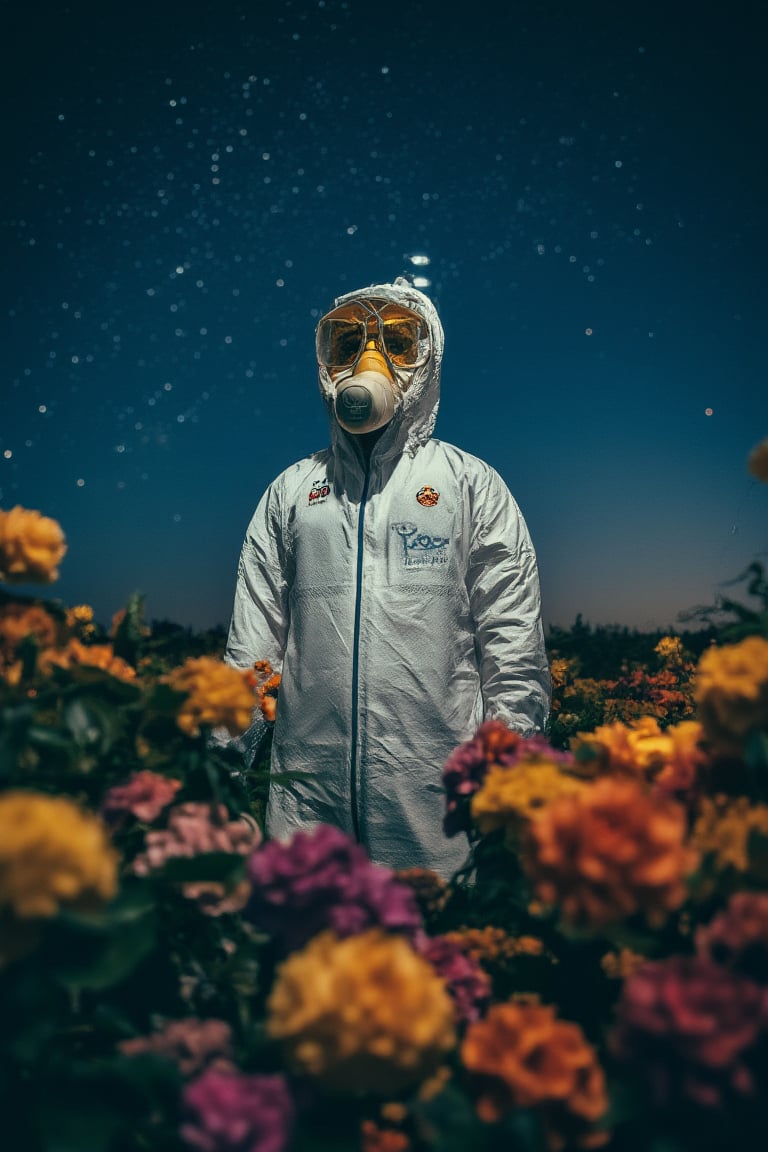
point(319, 493)
point(427, 496)
point(421, 549)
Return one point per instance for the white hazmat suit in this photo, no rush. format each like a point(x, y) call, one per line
point(399, 600)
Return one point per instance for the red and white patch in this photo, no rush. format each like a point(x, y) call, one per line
point(319, 493)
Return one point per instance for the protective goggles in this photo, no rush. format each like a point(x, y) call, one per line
point(402, 335)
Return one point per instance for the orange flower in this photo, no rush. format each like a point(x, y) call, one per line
point(521, 1056)
point(757, 462)
point(610, 853)
point(77, 654)
point(732, 692)
point(217, 695)
point(672, 759)
point(490, 944)
point(17, 621)
point(620, 965)
point(80, 621)
point(31, 546)
point(375, 1139)
point(560, 670)
point(266, 682)
point(431, 891)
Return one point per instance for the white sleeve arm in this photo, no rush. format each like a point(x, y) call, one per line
point(259, 624)
point(505, 600)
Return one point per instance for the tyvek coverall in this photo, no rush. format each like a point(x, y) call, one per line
point(399, 621)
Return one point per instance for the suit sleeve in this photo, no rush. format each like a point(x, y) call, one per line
point(505, 600)
point(259, 624)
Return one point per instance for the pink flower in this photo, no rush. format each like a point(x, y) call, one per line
point(738, 937)
point(190, 1043)
point(466, 768)
point(468, 985)
point(690, 1027)
point(144, 795)
point(195, 830)
point(323, 879)
point(231, 1112)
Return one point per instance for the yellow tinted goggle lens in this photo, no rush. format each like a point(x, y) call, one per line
point(342, 335)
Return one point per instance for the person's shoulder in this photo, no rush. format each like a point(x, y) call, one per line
point(481, 481)
point(469, 464)
point(295, 473)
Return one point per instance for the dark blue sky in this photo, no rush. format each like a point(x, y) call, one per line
point(186, 187)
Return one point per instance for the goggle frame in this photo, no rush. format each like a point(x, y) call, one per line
point(402, 349)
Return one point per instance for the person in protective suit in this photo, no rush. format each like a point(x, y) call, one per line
point(392, 582)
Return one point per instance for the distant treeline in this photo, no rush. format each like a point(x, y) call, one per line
point(604, 652)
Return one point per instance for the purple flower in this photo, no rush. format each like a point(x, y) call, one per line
point(230, 1112)
point(468, 985)
point(323, 879)
point(691, 1027)
point(466, 767)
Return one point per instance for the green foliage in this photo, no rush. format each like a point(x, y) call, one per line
point(731, 620)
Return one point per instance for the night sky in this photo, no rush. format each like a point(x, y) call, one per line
point(186, 187)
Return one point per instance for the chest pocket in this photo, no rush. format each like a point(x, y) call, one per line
point(320, 536)
point(423, 546)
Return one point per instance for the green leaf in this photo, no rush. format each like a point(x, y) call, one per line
point(42, 737)
point(90, 1128)
point(757, 852)
point(98, 951)
point(756, 759)
point(213, 866)
point(131, 632)
point(165, 700)
point(449, 1123)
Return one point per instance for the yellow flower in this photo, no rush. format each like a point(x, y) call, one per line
point(364, 1014)
point(670, 650)
point(757, 463)
point(722, 829)
point(31, 546)
point(217, 695)
point(510, 795)
point(80, 621)
point(732, 691)
point(53, 854)
point(560, 670)
point(80, 614)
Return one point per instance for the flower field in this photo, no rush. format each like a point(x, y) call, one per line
point(171, 980)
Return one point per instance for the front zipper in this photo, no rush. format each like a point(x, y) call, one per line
point(356, 658)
